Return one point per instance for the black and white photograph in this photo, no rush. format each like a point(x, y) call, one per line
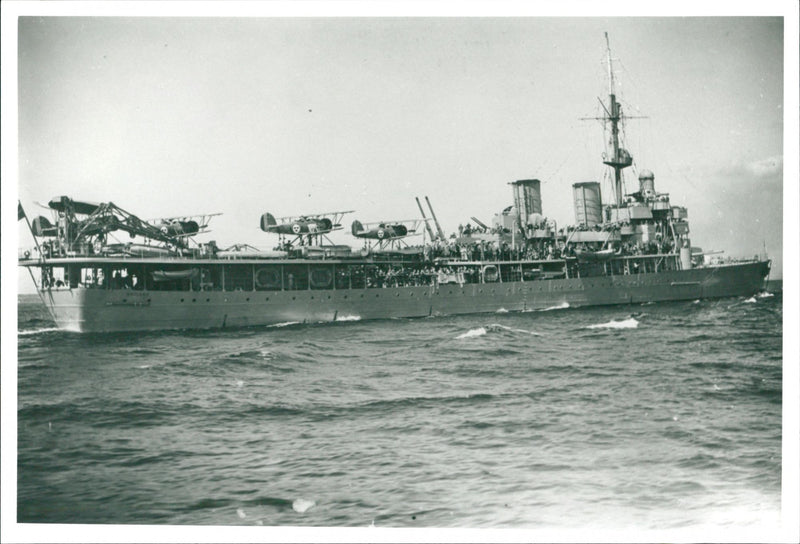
point(304, 271)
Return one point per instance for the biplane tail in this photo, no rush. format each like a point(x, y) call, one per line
point(42, 227)
point(267, 221)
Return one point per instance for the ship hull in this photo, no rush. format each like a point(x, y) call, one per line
point(98, 310)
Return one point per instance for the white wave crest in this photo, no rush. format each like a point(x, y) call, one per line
point(348, 318)
point(302, 505)
point(629, 323)
point(38, 331)
point(501, 311)
point(564, 305)
point(751, 300)
point(284, 324)
point(765, 294)
point(480, 331)
point(496, 326)
point(697, 301)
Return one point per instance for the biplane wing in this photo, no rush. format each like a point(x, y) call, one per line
point(67, 205)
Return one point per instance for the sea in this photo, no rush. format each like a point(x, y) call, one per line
point(639, 417)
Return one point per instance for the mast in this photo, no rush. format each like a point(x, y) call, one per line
point(620, 158)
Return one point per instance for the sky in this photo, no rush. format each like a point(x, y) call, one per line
point(169, 116)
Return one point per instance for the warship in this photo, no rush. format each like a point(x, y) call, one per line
point(635, 249)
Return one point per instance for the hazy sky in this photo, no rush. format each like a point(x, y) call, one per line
point(170, 116)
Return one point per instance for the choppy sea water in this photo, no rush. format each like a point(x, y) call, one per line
point(656, 416)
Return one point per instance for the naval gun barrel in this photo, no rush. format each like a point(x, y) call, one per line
point(433, 215)
point(425, 220)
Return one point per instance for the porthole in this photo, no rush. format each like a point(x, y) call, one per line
point(195, 300)
point(266, 299)
point(181, 300)
point(208, 300)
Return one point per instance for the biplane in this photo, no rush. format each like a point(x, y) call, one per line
point(311, 226)
point(385, 232)
point(183, 226)
point(78, 222)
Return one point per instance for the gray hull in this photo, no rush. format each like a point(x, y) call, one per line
point(96, 310)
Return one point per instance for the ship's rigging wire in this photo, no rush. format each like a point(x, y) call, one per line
point(642, 148)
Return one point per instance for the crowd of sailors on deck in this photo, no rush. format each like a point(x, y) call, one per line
point(465, 249)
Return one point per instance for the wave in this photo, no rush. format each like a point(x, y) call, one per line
point(629, 323)
point(251, 354)
point(564, 305)
point(751, 300)
point(493, 327)
point(472, 333)
point(497, 327)
point(302, 505)
point(765, 294)
point(38, 331)
point(501, 311)
point(393, 405)
point(348, 318)
point(284, 324)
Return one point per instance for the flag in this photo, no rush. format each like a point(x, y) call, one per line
point(20, 211)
